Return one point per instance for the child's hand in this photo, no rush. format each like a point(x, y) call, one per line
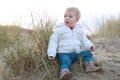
point(92, 48)
point(51, 58)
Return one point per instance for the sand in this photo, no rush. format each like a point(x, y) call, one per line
point(107, 55)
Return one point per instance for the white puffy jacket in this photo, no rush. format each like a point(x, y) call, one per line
point(65, 40)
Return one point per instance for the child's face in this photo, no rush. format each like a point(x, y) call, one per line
point(70, 19)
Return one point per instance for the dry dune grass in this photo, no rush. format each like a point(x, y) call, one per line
point(111, 28)
point(24, 52)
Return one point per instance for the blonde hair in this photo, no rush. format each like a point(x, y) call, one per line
point(76, 10)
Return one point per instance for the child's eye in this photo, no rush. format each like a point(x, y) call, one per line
point(65, 16)
point(70, 16)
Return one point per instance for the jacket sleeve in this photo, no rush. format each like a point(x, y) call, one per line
point(53, 44)
point(86, 43)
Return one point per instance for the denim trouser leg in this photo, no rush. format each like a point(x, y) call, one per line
point(66, 60)
point(87, 55)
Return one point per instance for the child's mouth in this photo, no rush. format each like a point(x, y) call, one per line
point(67, 22)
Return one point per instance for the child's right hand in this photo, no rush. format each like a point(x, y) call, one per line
point(51, 58)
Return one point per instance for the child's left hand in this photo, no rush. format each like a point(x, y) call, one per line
point(92, 48)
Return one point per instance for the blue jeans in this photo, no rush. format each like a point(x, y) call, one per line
point(67, 59)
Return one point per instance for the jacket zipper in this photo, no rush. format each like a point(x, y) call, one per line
point(73, 41)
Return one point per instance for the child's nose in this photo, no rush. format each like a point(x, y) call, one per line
point(66, 18)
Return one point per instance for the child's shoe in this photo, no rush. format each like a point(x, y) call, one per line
point(65, 75)
point(91, 68)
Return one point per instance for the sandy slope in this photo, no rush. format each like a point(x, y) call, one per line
point(107, 54)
